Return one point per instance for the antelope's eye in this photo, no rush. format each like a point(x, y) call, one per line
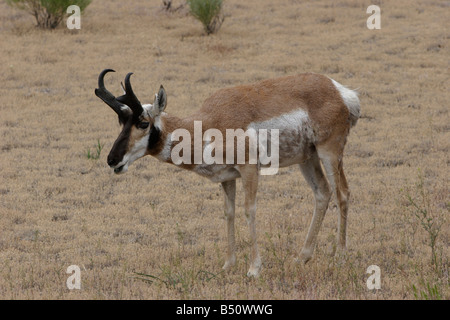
point(143, 125)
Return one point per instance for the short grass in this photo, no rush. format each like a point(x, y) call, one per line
point(158, 232)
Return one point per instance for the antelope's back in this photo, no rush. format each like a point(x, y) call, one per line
point(237, 107)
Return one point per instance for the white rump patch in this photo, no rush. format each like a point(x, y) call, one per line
point(351, 100)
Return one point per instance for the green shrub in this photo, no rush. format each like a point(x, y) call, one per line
point(48, 13)
point(208, 12)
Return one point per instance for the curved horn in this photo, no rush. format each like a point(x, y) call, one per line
point(101, 83)
point(105, 95)
point(132, 100)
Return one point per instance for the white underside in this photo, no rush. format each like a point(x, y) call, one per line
point(295, 137)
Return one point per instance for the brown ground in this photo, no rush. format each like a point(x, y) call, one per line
point(59, 208)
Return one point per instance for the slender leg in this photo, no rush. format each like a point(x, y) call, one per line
point(312, 171)
point(343, 197)
point(335, 174)
point(249, 174)
point(229, 188)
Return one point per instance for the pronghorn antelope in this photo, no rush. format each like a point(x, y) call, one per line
point(312, 113)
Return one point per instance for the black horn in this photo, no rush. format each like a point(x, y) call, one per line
point(130, 99)
point(105, 95)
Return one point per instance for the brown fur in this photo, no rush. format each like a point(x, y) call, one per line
point(236, 108)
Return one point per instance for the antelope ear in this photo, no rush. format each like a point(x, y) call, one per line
point(160, 101)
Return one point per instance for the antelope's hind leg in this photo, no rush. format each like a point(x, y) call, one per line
point(313, 173)
point(333, 166)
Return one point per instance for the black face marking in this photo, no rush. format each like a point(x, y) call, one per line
point(120, 146)
point(154, 137)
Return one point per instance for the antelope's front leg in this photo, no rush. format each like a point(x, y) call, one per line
point(249, 176)
point(229, 188)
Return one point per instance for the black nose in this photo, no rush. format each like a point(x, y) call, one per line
point(112, 162)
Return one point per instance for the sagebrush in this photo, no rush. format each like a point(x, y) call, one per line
point(208, 12)
point(48, 13)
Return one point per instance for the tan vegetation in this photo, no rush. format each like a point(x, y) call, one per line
point(158, 232)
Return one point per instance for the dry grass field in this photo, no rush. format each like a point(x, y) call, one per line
point(58, 207)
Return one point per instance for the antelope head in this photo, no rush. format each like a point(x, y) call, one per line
point(141, 124)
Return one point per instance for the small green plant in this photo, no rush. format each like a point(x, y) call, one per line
point(48, 13)
point(208, 12)
point(430, 221)
point(280, 248)
point(430, 293)
point(96, 154)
